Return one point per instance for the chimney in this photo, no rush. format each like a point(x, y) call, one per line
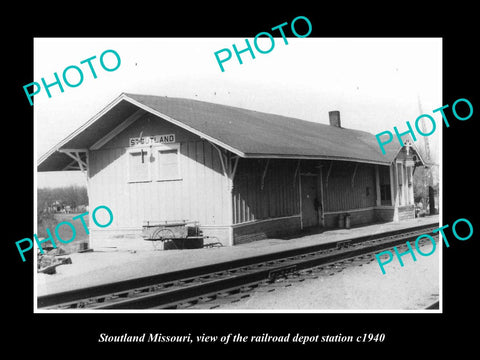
point(334, 118)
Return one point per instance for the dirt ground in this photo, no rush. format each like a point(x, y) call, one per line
point(413, 286)
point(365, 287)
point(65, 232)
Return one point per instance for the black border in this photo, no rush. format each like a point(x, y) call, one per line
point(404, 332)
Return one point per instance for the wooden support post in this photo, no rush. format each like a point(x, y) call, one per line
point(229, 171)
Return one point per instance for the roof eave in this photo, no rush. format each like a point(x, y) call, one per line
point(313, 157)
point(125, 97)
point(75, 133)
point(110, 106)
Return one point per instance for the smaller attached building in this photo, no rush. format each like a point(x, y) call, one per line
point(242, 174)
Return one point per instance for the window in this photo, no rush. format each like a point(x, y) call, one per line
point(138, 165)
point(160, 163)
point(167, 164)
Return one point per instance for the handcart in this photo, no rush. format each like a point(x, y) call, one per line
point(177, 234)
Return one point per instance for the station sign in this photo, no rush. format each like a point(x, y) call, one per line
point(152, 140)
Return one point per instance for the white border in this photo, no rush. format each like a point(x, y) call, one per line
point(336, 311)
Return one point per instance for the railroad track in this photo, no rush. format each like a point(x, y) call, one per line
point(213, 285)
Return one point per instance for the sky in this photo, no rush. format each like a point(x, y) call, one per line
point(375, 83)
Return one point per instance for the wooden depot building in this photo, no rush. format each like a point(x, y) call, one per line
point(243, 175)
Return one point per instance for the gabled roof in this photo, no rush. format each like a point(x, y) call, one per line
point(247, 133)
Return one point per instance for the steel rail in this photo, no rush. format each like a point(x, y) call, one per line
point(164, 290)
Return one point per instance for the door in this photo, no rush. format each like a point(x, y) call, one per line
point(310, 200)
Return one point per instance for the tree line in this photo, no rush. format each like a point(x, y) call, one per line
point(72, 196)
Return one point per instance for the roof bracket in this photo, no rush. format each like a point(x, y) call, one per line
point(75, 155)
point(354, 172)
point(262, 184)
point(228, 168)
point(233, 169)
point(296, 172)
point(222, 157)
point(72, 165)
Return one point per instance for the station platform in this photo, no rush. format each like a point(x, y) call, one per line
point(117, 264)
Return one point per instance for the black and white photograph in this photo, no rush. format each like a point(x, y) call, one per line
point(216, 181)
point(258, 186)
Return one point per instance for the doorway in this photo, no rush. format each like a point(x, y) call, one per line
point(310, 201)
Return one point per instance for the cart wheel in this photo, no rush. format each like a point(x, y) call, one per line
point(162, 235)
point(214, 242)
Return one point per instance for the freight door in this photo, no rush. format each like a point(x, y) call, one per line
point(310, 201)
